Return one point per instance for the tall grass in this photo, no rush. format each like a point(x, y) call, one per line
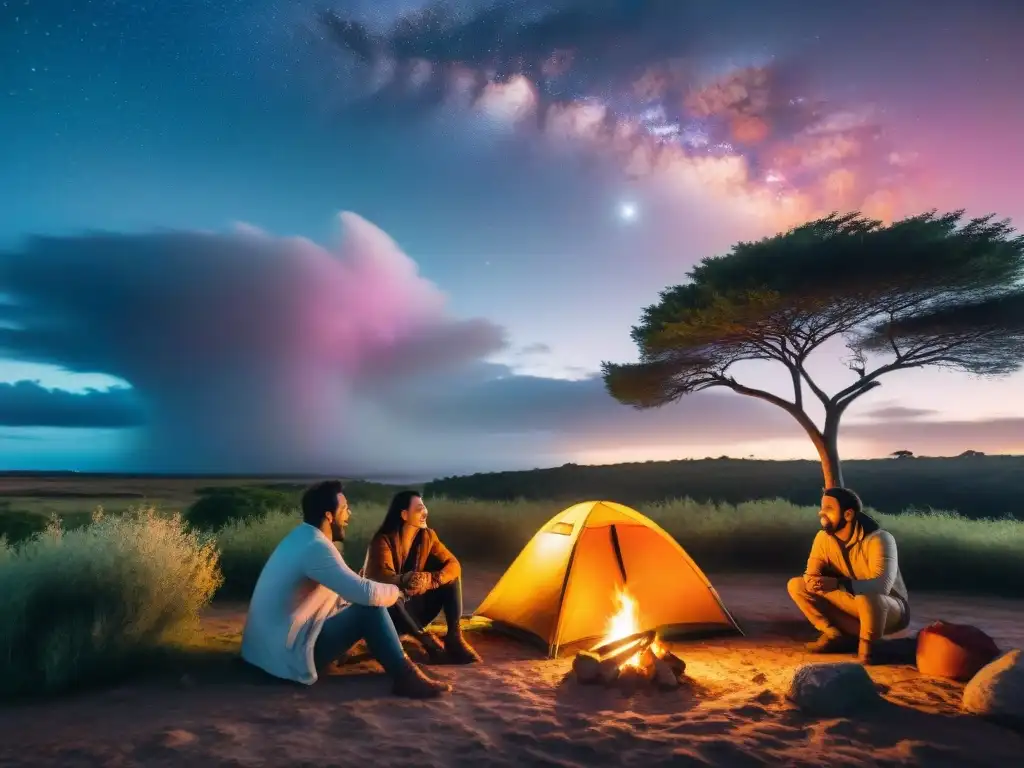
point(86, 605)
point(937, 550)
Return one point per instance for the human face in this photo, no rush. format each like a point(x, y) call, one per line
point(339, 518)
point(833, 519)
point(416, 514)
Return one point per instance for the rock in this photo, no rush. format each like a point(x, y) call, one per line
point(586, 666)
point(997, 690)
point(677, 665)
point(664, 676)
point(833, 690)
point(760, 678)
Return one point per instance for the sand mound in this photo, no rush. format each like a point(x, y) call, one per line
point(521, 709)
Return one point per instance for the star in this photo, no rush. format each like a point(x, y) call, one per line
point(628, 211)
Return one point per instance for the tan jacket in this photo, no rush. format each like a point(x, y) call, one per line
point(872, 556)
point(384, 560)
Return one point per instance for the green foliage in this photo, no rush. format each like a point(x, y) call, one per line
point(85, 606)
point(841, 277)
point(245, 544)
point(938, 550)
point(782, 297)
point(356, 491)
point(18, 525)
point(219, 505)
point(975, 486)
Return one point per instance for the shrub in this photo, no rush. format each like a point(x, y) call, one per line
point(84, 606)
point(246, 544)
point(17, 525)
point(217, 507)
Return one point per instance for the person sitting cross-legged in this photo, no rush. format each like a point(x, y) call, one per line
point(852, 591)
point(309, 608)
point(405, 552)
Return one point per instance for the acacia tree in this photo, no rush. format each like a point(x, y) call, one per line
point(899, 297)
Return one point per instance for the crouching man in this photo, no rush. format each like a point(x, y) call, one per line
point(309, 607)
point(853, 592)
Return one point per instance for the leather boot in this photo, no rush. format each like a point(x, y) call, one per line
point(435, 651)
point(459, 651)
point(412, 683)
point(833, 644)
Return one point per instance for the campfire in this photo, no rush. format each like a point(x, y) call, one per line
point(626, 655)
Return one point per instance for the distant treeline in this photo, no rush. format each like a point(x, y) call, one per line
point(975, 486)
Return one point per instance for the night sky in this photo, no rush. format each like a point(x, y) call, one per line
point(384, 238)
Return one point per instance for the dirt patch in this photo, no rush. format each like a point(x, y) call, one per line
point(519, 708)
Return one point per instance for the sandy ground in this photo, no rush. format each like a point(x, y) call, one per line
point(520, 709)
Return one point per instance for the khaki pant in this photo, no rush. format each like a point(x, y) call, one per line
point(867, 617)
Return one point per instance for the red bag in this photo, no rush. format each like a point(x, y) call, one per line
point(953, 651)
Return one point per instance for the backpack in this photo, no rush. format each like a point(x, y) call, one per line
point(954, 651)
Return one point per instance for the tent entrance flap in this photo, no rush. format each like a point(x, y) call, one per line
point(618, 551)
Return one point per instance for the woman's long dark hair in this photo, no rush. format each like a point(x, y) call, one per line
point(400, 502)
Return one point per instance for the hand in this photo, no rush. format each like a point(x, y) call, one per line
point(417, 583)
point(821, 585)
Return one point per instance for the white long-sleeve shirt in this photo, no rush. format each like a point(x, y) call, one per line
point(304, 582)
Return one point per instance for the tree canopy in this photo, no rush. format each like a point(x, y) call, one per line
point(932, 289)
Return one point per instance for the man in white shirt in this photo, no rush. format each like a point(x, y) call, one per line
point(309, 608)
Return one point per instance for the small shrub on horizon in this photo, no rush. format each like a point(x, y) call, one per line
point(84, 606)
point(220, 506)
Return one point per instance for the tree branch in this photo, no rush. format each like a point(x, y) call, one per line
point(821, 394)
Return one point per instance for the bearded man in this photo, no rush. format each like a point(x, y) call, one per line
point(852, 591)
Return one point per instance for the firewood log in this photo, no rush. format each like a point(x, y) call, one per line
point(664, 677)
point(586, 666)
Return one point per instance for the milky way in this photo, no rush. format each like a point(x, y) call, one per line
point(622, 80)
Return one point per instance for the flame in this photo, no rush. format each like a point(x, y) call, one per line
point(625, 622)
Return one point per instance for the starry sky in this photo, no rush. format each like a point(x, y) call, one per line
point(398, 238)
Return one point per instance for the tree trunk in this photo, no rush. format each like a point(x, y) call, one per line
point(826, 442)
point(831, 467)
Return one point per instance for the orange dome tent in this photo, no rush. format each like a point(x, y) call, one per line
point(561, 589)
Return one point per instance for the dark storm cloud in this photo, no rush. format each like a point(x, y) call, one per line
point(27, 404)
point(243, 348)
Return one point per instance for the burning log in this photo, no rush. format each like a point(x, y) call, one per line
point(631, 644)
point(630, 658)
point(639, 670)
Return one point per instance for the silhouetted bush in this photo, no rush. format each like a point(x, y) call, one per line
point(218, 506)
point(17, 525)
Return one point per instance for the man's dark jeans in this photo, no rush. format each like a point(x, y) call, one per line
point(361, 622)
